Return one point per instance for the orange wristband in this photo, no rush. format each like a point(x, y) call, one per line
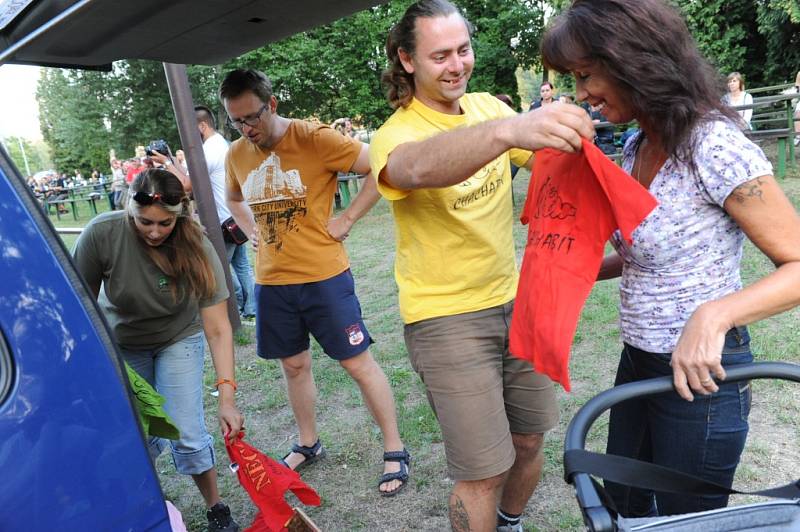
point(225, 381)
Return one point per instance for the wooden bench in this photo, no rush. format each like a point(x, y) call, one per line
point(773, 118)
point(342, 198)
point(783, 137)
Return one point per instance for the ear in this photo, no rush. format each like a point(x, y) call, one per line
point(406, 60)
point(273, 104)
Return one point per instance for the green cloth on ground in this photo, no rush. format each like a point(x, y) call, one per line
point(149, 405)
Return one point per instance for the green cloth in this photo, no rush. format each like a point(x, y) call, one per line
point(150, 407)
point(135, 295)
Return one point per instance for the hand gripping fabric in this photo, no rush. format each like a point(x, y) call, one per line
point(267, 481)
point(575, 202)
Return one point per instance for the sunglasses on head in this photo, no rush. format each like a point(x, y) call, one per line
point(143, 198)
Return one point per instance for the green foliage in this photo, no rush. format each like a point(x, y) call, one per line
point(332, 71)
point(327, 73)
point(779, 23)
point(36, 154)
point(507, 35)
point(71, 115)
point(760, 39)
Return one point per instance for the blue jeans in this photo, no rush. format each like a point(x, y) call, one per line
point(176, 372)
point(704, 437)
point(242, 278)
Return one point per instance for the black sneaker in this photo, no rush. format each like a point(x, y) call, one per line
point(220, 520)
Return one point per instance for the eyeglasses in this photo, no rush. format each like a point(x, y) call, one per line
point(251, 120)
point(143, 198)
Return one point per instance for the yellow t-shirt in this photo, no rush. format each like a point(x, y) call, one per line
point(290, 190)
point(455, 251)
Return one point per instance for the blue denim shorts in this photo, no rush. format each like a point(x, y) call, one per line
point(329, 310)
point(176, 372)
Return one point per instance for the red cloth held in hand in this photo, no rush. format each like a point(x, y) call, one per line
point(266, 481)
point(575, 201)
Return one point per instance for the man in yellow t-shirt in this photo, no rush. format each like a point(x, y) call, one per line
point(442, 159)
point(281, 181)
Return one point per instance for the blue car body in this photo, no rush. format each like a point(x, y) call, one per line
point(72, 452)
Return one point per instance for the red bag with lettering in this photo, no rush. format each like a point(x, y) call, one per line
point(575, 201)
point(267, 481)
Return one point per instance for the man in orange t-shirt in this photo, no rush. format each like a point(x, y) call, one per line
point(281, 180)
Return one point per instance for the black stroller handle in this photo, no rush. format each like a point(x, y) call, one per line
point(575, 437)
point(596, 515)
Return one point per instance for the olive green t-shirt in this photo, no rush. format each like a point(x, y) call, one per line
point(135, 295)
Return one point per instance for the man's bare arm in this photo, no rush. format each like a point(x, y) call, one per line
point(452, 157)
point(368, 196)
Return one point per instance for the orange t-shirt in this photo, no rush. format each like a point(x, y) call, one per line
point(575, 201)
point(290, 189)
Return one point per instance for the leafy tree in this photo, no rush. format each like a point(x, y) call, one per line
point(348, 57)
point(37, 157)
point(723, 30)
point(507, 35)
point(779, 24)
point(72, 118)
point(331, 71)
point(324, 73)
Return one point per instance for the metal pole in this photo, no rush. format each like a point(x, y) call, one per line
point(24, 157)
point(178, 83)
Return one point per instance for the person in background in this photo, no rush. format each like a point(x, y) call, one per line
point(442, 160)
point(163, 288)
point(546, 92)
point(282, 176)
point(215, 148)
point(180, 160)
point(118, 185)
point(566, 98)
point(737, 96)
point(344, 126)
point(683, 309)
point(604, 132)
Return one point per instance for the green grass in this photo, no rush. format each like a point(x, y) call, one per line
point(347, 479)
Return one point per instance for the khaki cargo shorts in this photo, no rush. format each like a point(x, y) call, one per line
point(478, 391)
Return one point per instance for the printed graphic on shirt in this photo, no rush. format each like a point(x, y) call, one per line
point(163, 284)
point(277, 198)
point(484, 183)
point(354, 334)
point(550, 204)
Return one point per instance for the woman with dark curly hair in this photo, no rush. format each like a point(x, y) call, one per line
point(683, 309)
point(163, 287)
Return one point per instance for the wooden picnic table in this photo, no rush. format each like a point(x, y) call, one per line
point(344, 181)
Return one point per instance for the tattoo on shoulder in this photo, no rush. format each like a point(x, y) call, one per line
point(751, 189)
point(459, 518)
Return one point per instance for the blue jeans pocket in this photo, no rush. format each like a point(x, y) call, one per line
point(745, 399)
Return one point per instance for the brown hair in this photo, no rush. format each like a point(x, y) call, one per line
point(738, 77)
point(181, 256)
point(651, 57)
point(398, 83)
point(204, 114)
point(239, 81)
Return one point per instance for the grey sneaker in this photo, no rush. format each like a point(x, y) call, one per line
point(510, 528)
point(220, 520)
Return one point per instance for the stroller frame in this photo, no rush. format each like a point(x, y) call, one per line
point(596, 516)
